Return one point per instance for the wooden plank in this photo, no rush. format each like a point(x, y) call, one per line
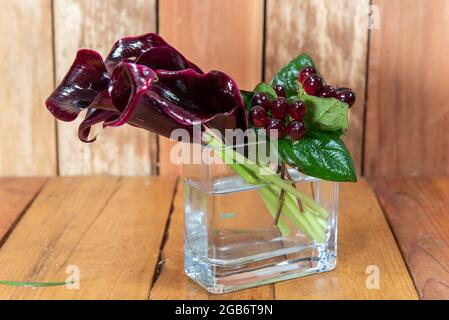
point(364, 240)
point(15, 196)
point(28, 140)
point(98, 24)
point(110, 228)
point(334, 33)
point(418, 211)
point(172, 283)
point(217, 35)
point(408, 110)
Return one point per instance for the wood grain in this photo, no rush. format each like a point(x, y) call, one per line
point(110, 228)
point(418, 211)
point(172, 283)
point(15, 195)
point(27, 130)
point(335, 34)
point(98, 24)
point(217, 35)
point(408, 109)
point(364, 240)
point(113, 229)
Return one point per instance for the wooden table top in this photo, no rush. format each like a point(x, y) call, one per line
point(126, 237)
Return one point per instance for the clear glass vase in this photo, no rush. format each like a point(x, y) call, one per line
point(236, 239)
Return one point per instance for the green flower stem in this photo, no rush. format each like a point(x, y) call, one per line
point(254, 173)
point(289, 212)
point(322, 222)
point(310, 218)
point(282, 225)
point(244, 173)
point(306, 223)
point(249, 178)
point(32, 284)
point(264, 173)
point(313, 217)
point(293, 213)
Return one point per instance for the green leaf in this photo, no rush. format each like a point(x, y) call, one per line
point(247, 96)
point(321, 155)
point(327, 114)
point(265, 88)
point(288, 75)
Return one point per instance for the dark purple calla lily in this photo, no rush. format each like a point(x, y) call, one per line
point(150, 50)
point(86, 78)
point(148, 84)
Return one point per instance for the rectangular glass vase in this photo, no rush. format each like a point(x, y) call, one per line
point(232, 241)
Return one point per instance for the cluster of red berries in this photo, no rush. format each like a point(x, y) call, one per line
point(288, 118)
point(278, 114)
point(313, 85)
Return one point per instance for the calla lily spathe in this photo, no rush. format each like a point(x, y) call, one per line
point(148, 84)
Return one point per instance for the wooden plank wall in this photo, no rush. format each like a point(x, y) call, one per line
point(398, 71)
point(98, 24)
point(27, 133)
point(218, 35)
point(334, 33)
point(408, 105)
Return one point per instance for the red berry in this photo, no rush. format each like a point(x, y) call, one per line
point(296, 130)
point(261, 99)
point(297, 110)
point(276, 124)
point(328, 91)
point(305, 73)
point(280, 90)
point(279, 108)
point(313, 85)
point(259, 117)
point(346, 95)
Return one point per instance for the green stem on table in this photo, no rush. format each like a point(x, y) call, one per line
point(32, 284)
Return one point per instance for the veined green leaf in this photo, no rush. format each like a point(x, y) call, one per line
point(321, 155)
point(288, 75)
point(265, 88)
point(327, 114)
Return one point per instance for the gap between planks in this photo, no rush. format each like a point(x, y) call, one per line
point(364, 239)
point(111, 229)
point(417, 209)
point(160, 261)
point(23, 206)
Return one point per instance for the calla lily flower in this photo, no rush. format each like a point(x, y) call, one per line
point(148, 84)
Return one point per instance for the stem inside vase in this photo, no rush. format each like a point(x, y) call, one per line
point(281, 197)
